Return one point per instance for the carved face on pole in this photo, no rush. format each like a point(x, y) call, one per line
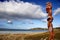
point(48, 8)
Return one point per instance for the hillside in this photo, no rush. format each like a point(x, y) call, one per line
point(38, 29)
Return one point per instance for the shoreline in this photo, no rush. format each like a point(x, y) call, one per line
point(22, 33)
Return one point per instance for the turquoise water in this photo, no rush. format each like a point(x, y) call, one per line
point(22, 32)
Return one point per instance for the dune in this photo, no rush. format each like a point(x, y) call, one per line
point(30, 36)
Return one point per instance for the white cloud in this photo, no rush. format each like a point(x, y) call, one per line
point(44, 20)
point(24, 10)
point(57, 11)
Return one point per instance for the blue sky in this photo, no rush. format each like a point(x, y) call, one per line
point(12, 17)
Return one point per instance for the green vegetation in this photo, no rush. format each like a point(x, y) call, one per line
point(38, 29)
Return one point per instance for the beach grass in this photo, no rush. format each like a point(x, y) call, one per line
point(37, 36)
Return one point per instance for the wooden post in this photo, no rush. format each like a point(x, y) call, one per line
point(50, 20)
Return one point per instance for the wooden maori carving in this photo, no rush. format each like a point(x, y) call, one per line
point(50, 20)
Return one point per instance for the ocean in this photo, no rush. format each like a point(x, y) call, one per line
point(22, 32)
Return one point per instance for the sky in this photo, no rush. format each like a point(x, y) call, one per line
point(26, 14)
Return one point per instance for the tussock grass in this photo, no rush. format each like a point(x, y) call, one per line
point(38, 36)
